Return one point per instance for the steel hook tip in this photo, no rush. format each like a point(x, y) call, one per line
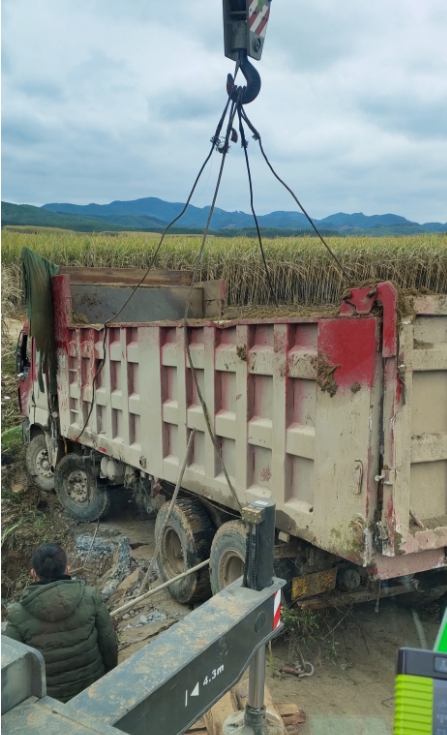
point(251, 91)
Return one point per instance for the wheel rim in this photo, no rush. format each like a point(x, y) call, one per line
point(77, 487)
point(173, 553)
point(43, 467)
point(232, 567)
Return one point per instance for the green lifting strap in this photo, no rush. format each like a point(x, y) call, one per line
point(37, 273)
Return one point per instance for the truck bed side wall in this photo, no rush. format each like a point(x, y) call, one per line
point(301, 408)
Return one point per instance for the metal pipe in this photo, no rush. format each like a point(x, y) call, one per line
point(256, 680)
point(153, 591)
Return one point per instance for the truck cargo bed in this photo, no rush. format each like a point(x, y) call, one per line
point(341, 419)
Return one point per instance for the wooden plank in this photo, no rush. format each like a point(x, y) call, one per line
point(213, 298)
point(199, 728)
point(216, 716)
point(291, 714)
point(126, 276)
point(212, 722)
point(199, 725)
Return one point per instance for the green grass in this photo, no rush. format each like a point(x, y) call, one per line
point(302, 270)
point(12, 440)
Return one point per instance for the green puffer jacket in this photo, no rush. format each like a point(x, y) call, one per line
point(71, 626)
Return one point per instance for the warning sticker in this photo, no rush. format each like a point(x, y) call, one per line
point(277, 610)
point(258, 15)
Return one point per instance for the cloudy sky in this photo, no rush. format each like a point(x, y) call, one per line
point(117, 99)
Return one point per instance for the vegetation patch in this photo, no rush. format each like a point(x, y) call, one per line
point(29, 518)
point(313, 634)
point(302, 271)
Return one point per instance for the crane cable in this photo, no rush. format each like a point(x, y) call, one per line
point(257, 137)
point(244, 144)
point(206, 415)
point(215, 142)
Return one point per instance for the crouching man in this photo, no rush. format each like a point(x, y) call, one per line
point(67, 622)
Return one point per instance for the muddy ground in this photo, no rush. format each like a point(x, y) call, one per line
point(353, 651)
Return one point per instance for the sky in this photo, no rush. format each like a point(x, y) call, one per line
point(118, 99)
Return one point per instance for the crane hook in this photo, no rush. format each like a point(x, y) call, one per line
point(251, 91)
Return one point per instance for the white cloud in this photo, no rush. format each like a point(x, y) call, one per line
point(118, 100)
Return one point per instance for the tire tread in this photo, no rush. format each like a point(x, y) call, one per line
point(202, 530)
point(70, 463)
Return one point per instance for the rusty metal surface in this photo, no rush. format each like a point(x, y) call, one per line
point(99, 302)
point(314, 584)
point(287, 550)
point(126, 276)
point(168, 684)
point(351, 598)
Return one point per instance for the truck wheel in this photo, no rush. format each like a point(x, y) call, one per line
point(78, 490)
point(227, 560)
point(184, 542)
point(38, 463)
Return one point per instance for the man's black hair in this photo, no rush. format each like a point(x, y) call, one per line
point(49, 562)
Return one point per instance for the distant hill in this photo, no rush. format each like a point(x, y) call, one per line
point(196, 217)
point(27, 215)
point(152, 214)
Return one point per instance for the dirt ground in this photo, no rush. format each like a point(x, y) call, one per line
point(353, 653)
point(351, 691)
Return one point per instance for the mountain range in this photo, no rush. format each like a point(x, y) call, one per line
point(151, 213)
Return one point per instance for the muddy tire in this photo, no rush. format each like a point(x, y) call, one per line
point(38, 463)
point(227, 560)
point(78, 490)
point(184, 542)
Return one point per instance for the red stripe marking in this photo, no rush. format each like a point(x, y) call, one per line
point(277, 611)
point(263, 23)
point(253, 18)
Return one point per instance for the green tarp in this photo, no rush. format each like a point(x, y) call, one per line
point(37, 272)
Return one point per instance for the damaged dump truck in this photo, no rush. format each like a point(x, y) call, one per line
point(340, 419)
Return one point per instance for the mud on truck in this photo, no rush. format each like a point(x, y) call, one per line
point(341, 419)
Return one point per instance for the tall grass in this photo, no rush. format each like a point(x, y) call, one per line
point(11, 299)
point(302, 270)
